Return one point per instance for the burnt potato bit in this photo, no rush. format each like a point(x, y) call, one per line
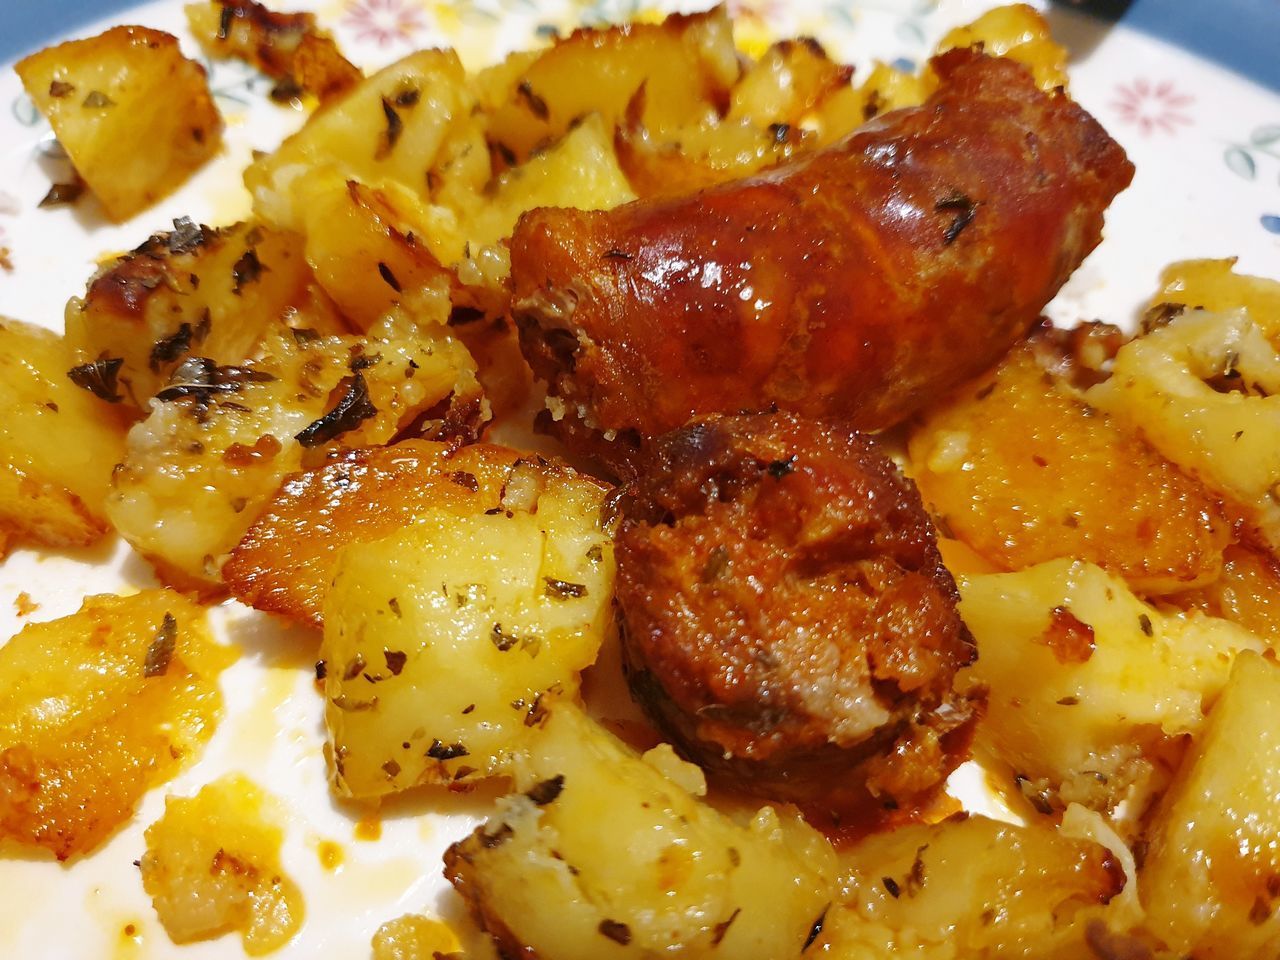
point(786, 617)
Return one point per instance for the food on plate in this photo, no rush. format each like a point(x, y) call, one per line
point(288, 47)
point(331, 418)
point(971, 887)
point(98, 707)
point(194, 291)
point(1209, 876)
point(57, 443)
point(1022, 469)
point(284, 563)
point(835, 285)
point(552, 876)
point(219, 439)
point(1092, 692)
point(442, 641)
point(786, 617)
point(107, 95)
point(212, 866)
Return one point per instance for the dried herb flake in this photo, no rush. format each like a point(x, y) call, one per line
point(547, 791)
point(99, 378)
point(161, 650)
point(353, 409)
point(563, 589)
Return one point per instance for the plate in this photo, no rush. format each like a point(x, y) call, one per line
point(1190, 90)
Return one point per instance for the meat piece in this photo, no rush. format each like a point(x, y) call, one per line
point(857, 282)
point(786, 617)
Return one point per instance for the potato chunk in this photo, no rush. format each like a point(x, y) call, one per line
point(1215, 286)
point(1204, 389)
point(285, 562)
point(133, 113)
point(97, 707)
point(1247, 593)
point(195, 291)
point(1086, 681)
point(1210, 879)
point(219, 439)
point(605, 855)
point(441, 640)
point(969, 887)
point(1023, 471)
point(58, 444)
point(413, 937)
point(212, 865)
point(1019, 32)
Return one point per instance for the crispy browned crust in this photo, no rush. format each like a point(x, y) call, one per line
point(460, 870)
point(284, 563)
point(786, 615)
point(858, 282)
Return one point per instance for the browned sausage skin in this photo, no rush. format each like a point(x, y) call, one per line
point(786, 617)
point(858, 282)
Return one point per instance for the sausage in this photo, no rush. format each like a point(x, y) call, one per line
point(857, 282)
point(785, 615)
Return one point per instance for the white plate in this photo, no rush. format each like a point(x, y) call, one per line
point(1206, 142)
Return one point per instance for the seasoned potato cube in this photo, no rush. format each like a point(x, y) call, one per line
point(194, 292)
point(97, 707)
point(787, 82)
point(441, 640)
point(687, 66)
point(1247, 593)
point(1215, 286)
point(219, 439)
point(969, 887)
point(1203, 389)
point(212, 866)
point(388, 129)
point(580, 171)
point(1209, 880)
point(1023, 471)
point(288, 47)
point(605, 855)
point(1086, 681)
point(58, 445)
point(364, 247)
point(133, 113)
point(1019, 32)
point(285, 562)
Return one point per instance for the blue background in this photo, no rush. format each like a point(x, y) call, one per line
point(1243, 35)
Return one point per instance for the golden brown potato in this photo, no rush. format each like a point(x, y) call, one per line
point(1215, 286)
point(288, 47)
point(193, 292)
point(971, 888)
point(1211, 877)
point(1090, 690)
point(96, 708)
point(1204, 389)
point(442, 640)
point(219, 439)
point(1247, 593)
point(413, 937)
point(1023, 470)
point(285, 561)
point(133, 113)
point(58, 444)
point(686, 64)
point(212, 865)
point(1019, 32)
point(607, 854)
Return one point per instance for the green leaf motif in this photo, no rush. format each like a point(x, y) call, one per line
point(1240, 162)
point(1266, 135)
point(24, 111)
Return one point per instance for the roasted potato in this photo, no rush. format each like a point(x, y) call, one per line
point(971, 888)
point(109, 94)
point(58, 444)
point(607, 854)
point(1019, 32)
point(288, 47)
point(1022, 470)
point(212, 865)
point(1247, 593)
point(1215, 286)
point(96, 708)
point(1210, 878)
point(219, 439)
point(285, 562)
point(1202, 389)
point(192, 292)
point(441, 641)
point(413, 937)
point(1087, 684)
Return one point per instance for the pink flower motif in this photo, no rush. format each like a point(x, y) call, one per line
point(760, 9)
point(1152, 107)
point(384, 22)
